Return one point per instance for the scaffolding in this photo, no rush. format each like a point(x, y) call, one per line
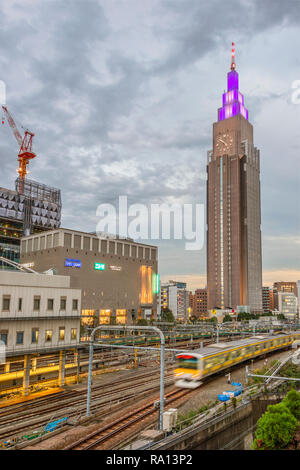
point(36, 190)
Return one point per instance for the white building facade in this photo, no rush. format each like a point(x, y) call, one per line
point(173, 295)
point(38, 313)
point(287, 304)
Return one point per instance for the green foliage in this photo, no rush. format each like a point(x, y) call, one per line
point(142, 322)
point(185, 420)
point(280, 316)
point(292, 371)
point(213, 320)
point(227, 318)
point(292, 402)
point(167, 315)
point(275, 428)
point(247, 316)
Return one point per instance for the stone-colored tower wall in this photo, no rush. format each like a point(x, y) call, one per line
point(234, 266)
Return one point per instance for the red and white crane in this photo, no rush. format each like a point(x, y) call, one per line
point(25, 154)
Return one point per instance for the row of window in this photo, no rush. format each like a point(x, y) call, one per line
point(35, 335)
point(6, 302)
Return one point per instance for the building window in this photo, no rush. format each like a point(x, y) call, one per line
point(36, 303)
point(34, 335)
point(61, 333)
point(63, 303)
point(73, 333)
point(20, 337)
point(75, 304)
point(20, 305)
point(3, 336)
point(50, 304)
point(6, 303)
point(48, 335)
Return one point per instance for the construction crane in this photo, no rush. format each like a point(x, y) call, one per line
point(25, 153)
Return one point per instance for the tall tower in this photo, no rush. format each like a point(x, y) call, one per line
point(234, 266)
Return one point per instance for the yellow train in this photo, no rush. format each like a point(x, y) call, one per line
point(195, 365)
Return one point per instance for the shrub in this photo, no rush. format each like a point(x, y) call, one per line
point(292, 402)
point(275, 428)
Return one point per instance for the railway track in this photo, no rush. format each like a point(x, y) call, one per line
point(73, 403)
point(122, 424)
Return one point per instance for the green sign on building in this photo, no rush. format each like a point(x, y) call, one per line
point(99, 266)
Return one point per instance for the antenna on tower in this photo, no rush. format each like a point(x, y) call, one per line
point(233, 57)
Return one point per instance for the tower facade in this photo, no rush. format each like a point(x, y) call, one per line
point(234, 263)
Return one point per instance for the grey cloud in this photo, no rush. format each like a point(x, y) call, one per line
point(94, 103)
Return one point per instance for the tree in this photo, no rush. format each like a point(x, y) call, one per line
point(280, 316)
point(167, 315)
point(227, 318)
point(292, 402)
point(275, 428)
point(142, 322)
point(213, 320)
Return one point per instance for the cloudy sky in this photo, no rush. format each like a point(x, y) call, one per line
point(122, 95)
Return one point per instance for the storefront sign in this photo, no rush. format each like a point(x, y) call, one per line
point(99, 266)
point(72, 263)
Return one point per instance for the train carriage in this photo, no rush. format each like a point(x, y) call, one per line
point(195, 365)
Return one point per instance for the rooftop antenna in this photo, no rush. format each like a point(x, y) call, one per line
point(233, 57)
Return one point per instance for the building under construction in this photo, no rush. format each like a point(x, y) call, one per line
point(31, 208)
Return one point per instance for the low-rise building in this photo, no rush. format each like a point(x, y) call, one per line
point(118, 277)
point(38, 313)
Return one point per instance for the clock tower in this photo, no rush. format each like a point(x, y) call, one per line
point(234, 264)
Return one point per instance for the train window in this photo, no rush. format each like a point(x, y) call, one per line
point(186, 361)
point(235, 354)
point(210, 361)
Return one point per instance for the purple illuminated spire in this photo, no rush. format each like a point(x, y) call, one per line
point(233, 100)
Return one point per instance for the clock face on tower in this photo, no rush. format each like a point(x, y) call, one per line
point(224, 144)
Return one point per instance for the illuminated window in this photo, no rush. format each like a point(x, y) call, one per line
point(146, 273)
point(87, 317)
point(61, 335)
point(73, 333)
point(34, 335)
point(48, 335)
point(121, 316)
point(104, 317)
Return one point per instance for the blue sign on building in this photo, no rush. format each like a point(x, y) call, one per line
point(73, 263)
